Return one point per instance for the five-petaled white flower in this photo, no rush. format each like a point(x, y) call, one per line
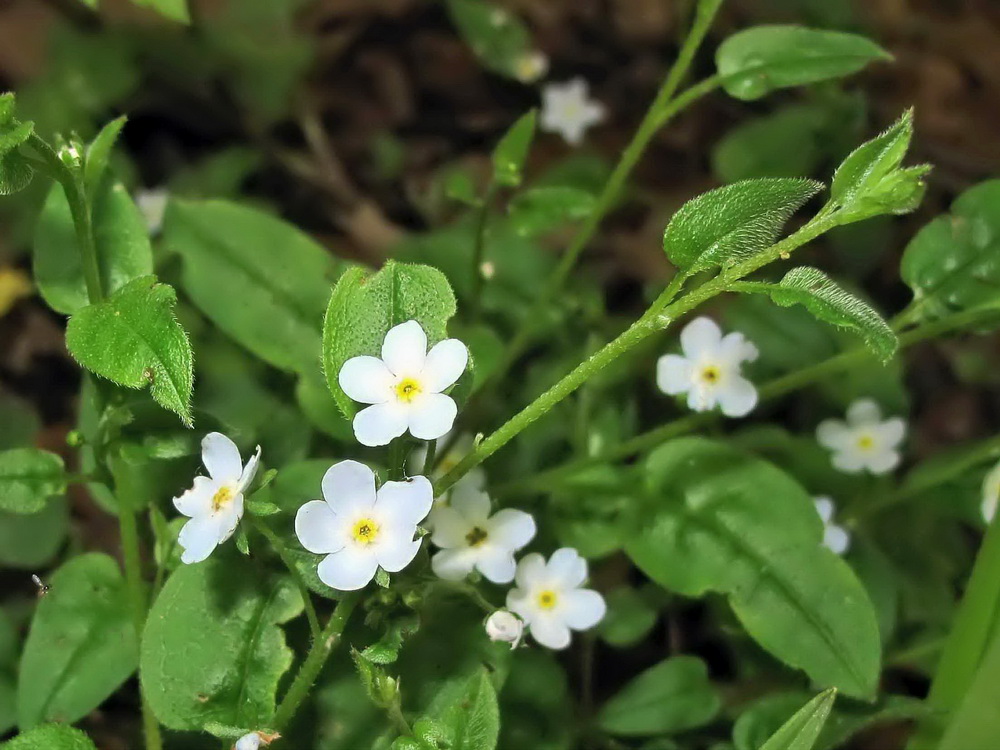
point(835, 537)
point(709, 370)
point(470, 538)
point(864, 441)
point(505, 627)
point(568, 110)
point(531, 66)
point(360, 529)
point(405, 386)
point(215, 503)
point(549, 599)
point(991, 494)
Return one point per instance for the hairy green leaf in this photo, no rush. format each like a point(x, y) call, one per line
point(81, 646)
point(15, 172)
point(543, 209)
point(511, 153)
point(29, 477)
point(471, 719)
point(134, 340)
point(51, 737)
point(801, 731)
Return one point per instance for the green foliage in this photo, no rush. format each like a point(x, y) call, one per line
point(277, 278)
point(511, 153)
point(976, 722)
point(499, 39)
point(467, 714)
point(95, 162)
point(15, 172)
point(51, 737)
point(364, 306)
point(762, 59)
point(629, 619)
point(673, 696)
point(212, 650)
point(801, 731)
point(732, 223)
point(134, 340)
point(81, 646)
point(717, 520)
point(29, 477)
point(29, 542)
point(176, 10)
point(542, 209)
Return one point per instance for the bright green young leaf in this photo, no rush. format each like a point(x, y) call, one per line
point(499, 40)
point(673, 696)
point(175, 10)
point(120, 238)
point(213, 649)
point(133, 339)
point(511, 153)
point(814, 290)
point(364, 306)
point(762, 59)
point(543, 209)
point(954, 262)
point(99, 152)
point(51, 737)
point(81, 646)
point(30, 542)
point(716, 520)
point(29, 477)
point(276, 278)
point(801, 731)
point(734, 222)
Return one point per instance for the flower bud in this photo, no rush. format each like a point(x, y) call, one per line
point(248, 742)
point(505, 626)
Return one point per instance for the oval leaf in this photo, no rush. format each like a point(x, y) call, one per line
point(29, 477)
point(511, 152)
point(801, 731)
point(543, 209)
point(499, 39)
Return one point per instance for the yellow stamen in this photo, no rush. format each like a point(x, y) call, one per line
point(866, 442)
point(223, 496)
point(710, 374)
point(547, 599)
point(407, 389)
point(365, 531)
point(476, 537)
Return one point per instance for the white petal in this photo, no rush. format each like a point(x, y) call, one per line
point(318, 528)
point(406, 502)
point(520, 603)
point(989, 507)
point(445, 363)
point(991, 493)
point(453, 564)
point(850, 460)
point(701, 397)
point(735, 349)
point(825, 508)
point(198, 538)
point(229, 518)
point(450, 528)
point(379, 424)
point(593, 112)
point(349, 569)
point(530, 570)
point(496, 564)
point(673, 374)
point(837, 539)
point(405, 349)
point(366, 379)
point(582, 608)
point(473, 504)
point(700, 336)
point(550, 632)
point(572, 131)
point(892, 431)
point(863, 412)
point(398, 548)
point(883, 462)
point(250, 470)
point(431, 415)
point(566, 568)
point(349, 486)
point(197, 501)
point(511, 529)
point(221, 457)
point(834, 434)
point(737, 397)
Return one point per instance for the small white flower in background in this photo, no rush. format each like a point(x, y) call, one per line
point(991, 494)
point(709, 369)
point(152, 205)
point(531, 66)
point(835, 537)
point(568, 110)
point(549, 599)
point(360, 529)
point(470, 538)
point(505, 627)
point(865, 440)
point(404, 386)
point(215, 503)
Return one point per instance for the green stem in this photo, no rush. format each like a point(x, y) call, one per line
point(282, 551)
point(479, 248)
point(314, 661)
point(79, 207)
point(395, 712)
point(429, 458)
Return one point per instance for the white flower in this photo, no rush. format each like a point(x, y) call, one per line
point(152, 205)
point(709, 370)
point(215, 503)
point(470, 538)
point(254, 741)
point(567, 110)
point(360, 529)
point(549, 599)
point(531, 66)
point(837, 538)
point(864, 441)
point(506, 627)
point(991, 494)
point(404, 386)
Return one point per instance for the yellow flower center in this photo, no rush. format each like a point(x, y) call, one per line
point(222, 497)
point(866, 442)
point(547, 599)
point(365, 531)
point(407, 389)
point(710, 374)
point(476, 537)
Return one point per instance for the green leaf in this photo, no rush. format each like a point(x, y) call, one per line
point(29, 542)
point(472, 720)
point(29, 477)
point(543, 209)
point(674, 696)
point(15, 173)
point(99, 152)
point(629, 619)
point(175, 10)
point(51, 737)
point(732, 223)
point(499, 39)
point(953, 263)
point(213, 650)
point(134, 340)
point(386, 649)
point(800, 732)
point(120, 239)
point(364, 306)
point(762, 59)
point(976, 722)
point(511, 153)
point(81, 646)
point(277, 279)
point(716, 520)
point(785, 143)
point(814, 290)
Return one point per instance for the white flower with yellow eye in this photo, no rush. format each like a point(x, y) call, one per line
point(549, 599)
point(472, 539)
point(835, 537)
point(215, 503)
point(991, 494)
point(405, 386)
point(709, 370)
point(865, 440)
point(568, 110)
point(531, 66)
point(361, 529)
